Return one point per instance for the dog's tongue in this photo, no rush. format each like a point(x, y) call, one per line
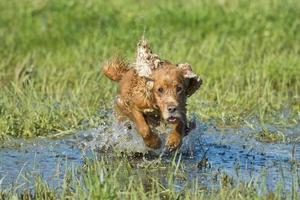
point(172, 119)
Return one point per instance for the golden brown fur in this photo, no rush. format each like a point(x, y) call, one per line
point(149, 101)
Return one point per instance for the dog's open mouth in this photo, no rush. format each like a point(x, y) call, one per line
point(172, 119)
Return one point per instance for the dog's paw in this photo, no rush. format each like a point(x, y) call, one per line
point(152, 141)
point(173, 141)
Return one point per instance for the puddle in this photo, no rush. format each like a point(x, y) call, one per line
point(234, 151)
point(22, 160)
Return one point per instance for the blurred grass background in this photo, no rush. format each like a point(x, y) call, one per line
point(51, 52)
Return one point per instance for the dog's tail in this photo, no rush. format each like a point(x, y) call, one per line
point(115, 68)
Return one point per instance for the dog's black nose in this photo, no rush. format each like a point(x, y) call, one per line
point(172, 109)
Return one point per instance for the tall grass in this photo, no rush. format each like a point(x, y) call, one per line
point(247, 53)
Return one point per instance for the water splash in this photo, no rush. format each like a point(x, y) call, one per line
point(121, 138)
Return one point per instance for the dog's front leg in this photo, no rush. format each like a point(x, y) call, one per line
point(151, 139)
point(175, 137)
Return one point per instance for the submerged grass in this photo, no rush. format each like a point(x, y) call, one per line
point(51, 53)
point(106, 178)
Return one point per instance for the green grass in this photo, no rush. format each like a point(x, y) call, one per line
point(103, 178)
point(247, 53)
point(269, 137)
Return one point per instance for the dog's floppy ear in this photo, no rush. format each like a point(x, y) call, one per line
point(194, 82)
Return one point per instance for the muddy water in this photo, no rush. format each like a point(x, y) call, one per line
point(207, 152)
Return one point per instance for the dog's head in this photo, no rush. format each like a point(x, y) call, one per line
point(171, 85)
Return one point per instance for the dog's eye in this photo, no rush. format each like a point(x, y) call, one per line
point(160, 90)
point(178, 89)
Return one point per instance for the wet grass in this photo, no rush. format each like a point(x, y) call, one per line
point(51, 54)
point(266, 135)
point(104, 178)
